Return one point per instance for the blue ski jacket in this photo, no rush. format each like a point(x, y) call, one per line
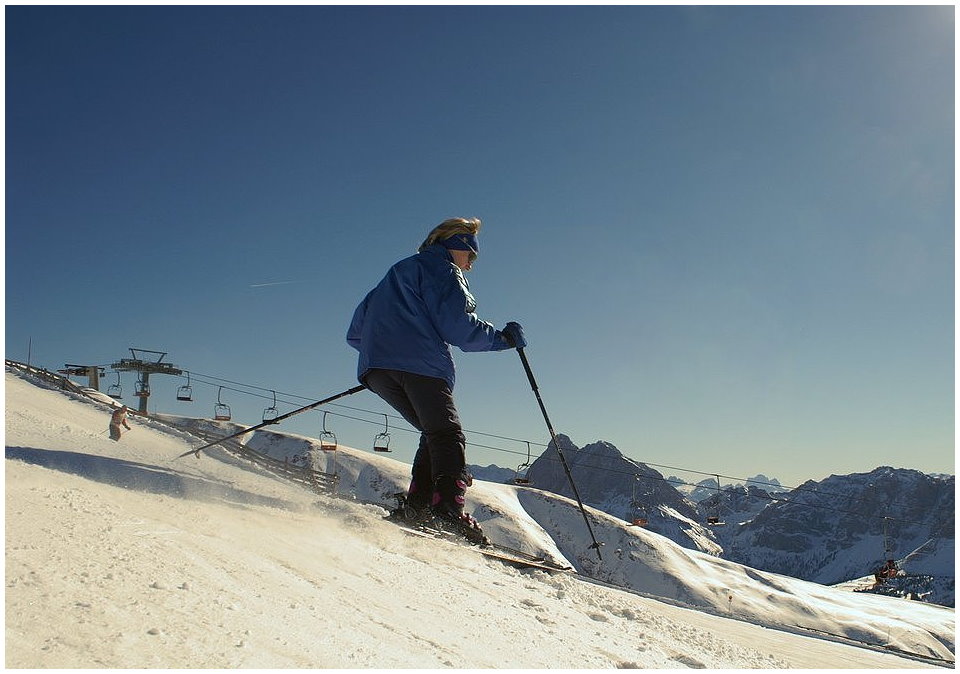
point(421, 307)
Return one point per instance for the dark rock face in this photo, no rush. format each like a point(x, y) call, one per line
point(846, 526)
point(622, 487)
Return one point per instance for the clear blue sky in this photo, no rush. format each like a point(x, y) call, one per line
point(727, 231)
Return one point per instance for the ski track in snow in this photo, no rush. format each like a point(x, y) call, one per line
point(119, 556)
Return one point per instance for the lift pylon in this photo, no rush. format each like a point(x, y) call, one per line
point(92, 372)
point(144, 368)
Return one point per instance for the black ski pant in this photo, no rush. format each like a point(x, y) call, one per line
point(427, 405)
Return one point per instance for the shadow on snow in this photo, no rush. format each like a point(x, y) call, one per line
point(139, 477)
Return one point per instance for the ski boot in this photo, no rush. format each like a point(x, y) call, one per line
point(447, 509)
point(410, 511)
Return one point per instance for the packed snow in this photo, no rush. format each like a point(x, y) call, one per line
point(121, 555)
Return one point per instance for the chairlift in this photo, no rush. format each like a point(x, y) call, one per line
point(639, 512)
point(888, 570)
point(887, 544)
point(115, 391)
point(714, 520)
point(328, 440)
point(271, 413)
point(381, 443)
point(141, 389)
point(185, 392)
point(523, 468)
point(222, 411)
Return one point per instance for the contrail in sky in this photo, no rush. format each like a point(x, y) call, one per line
point(271, 283)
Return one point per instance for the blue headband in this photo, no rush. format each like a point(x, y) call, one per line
point(462, 242)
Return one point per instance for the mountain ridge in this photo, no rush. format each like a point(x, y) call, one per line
point(831, 531)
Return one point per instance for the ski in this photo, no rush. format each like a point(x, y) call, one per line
point(491, 550)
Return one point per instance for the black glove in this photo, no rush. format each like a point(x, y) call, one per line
point(513, 334)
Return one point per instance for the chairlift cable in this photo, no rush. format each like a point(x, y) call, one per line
point(791, 489)
point(351, 391)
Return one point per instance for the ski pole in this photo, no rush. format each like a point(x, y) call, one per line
point(563, 460)
point(305, 408)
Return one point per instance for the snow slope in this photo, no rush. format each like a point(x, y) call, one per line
point(119, 555)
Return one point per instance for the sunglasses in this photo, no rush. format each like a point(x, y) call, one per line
point(473, 254)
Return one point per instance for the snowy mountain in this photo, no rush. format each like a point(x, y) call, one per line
point(702, 490)
point(827, 532)
point(846, 525)
point(121, 555)
point(624, 488)
point(769, 484)
point(708, 486)
point(735, 504)
point(492, 473)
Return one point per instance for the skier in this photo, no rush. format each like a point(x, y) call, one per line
point(118, 418)
point(888, 570)
point(403, 330)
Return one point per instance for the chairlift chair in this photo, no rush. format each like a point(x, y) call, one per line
point(222, 411)
point(141, 389)
point(185, 392)
point(381, 443)
point(115, 391)
point(328, 440)
point(524, 468)
point(271, 413)
point(714, 520)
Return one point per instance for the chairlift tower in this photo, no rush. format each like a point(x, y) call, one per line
point(93, 372)
point(144, 368)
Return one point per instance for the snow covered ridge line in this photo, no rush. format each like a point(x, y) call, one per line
point(843, 528)
point(525, 518)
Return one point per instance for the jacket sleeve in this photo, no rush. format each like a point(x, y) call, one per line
point(456, 319)
point(356, 325)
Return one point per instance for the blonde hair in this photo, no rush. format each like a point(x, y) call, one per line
point(448, 228)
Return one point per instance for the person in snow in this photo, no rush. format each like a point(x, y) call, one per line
point(888, 570)
point(403, 330)
point(117, 419)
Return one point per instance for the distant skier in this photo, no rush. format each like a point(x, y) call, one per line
point(403, 330)
point(117, 419)
point(888, 570)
